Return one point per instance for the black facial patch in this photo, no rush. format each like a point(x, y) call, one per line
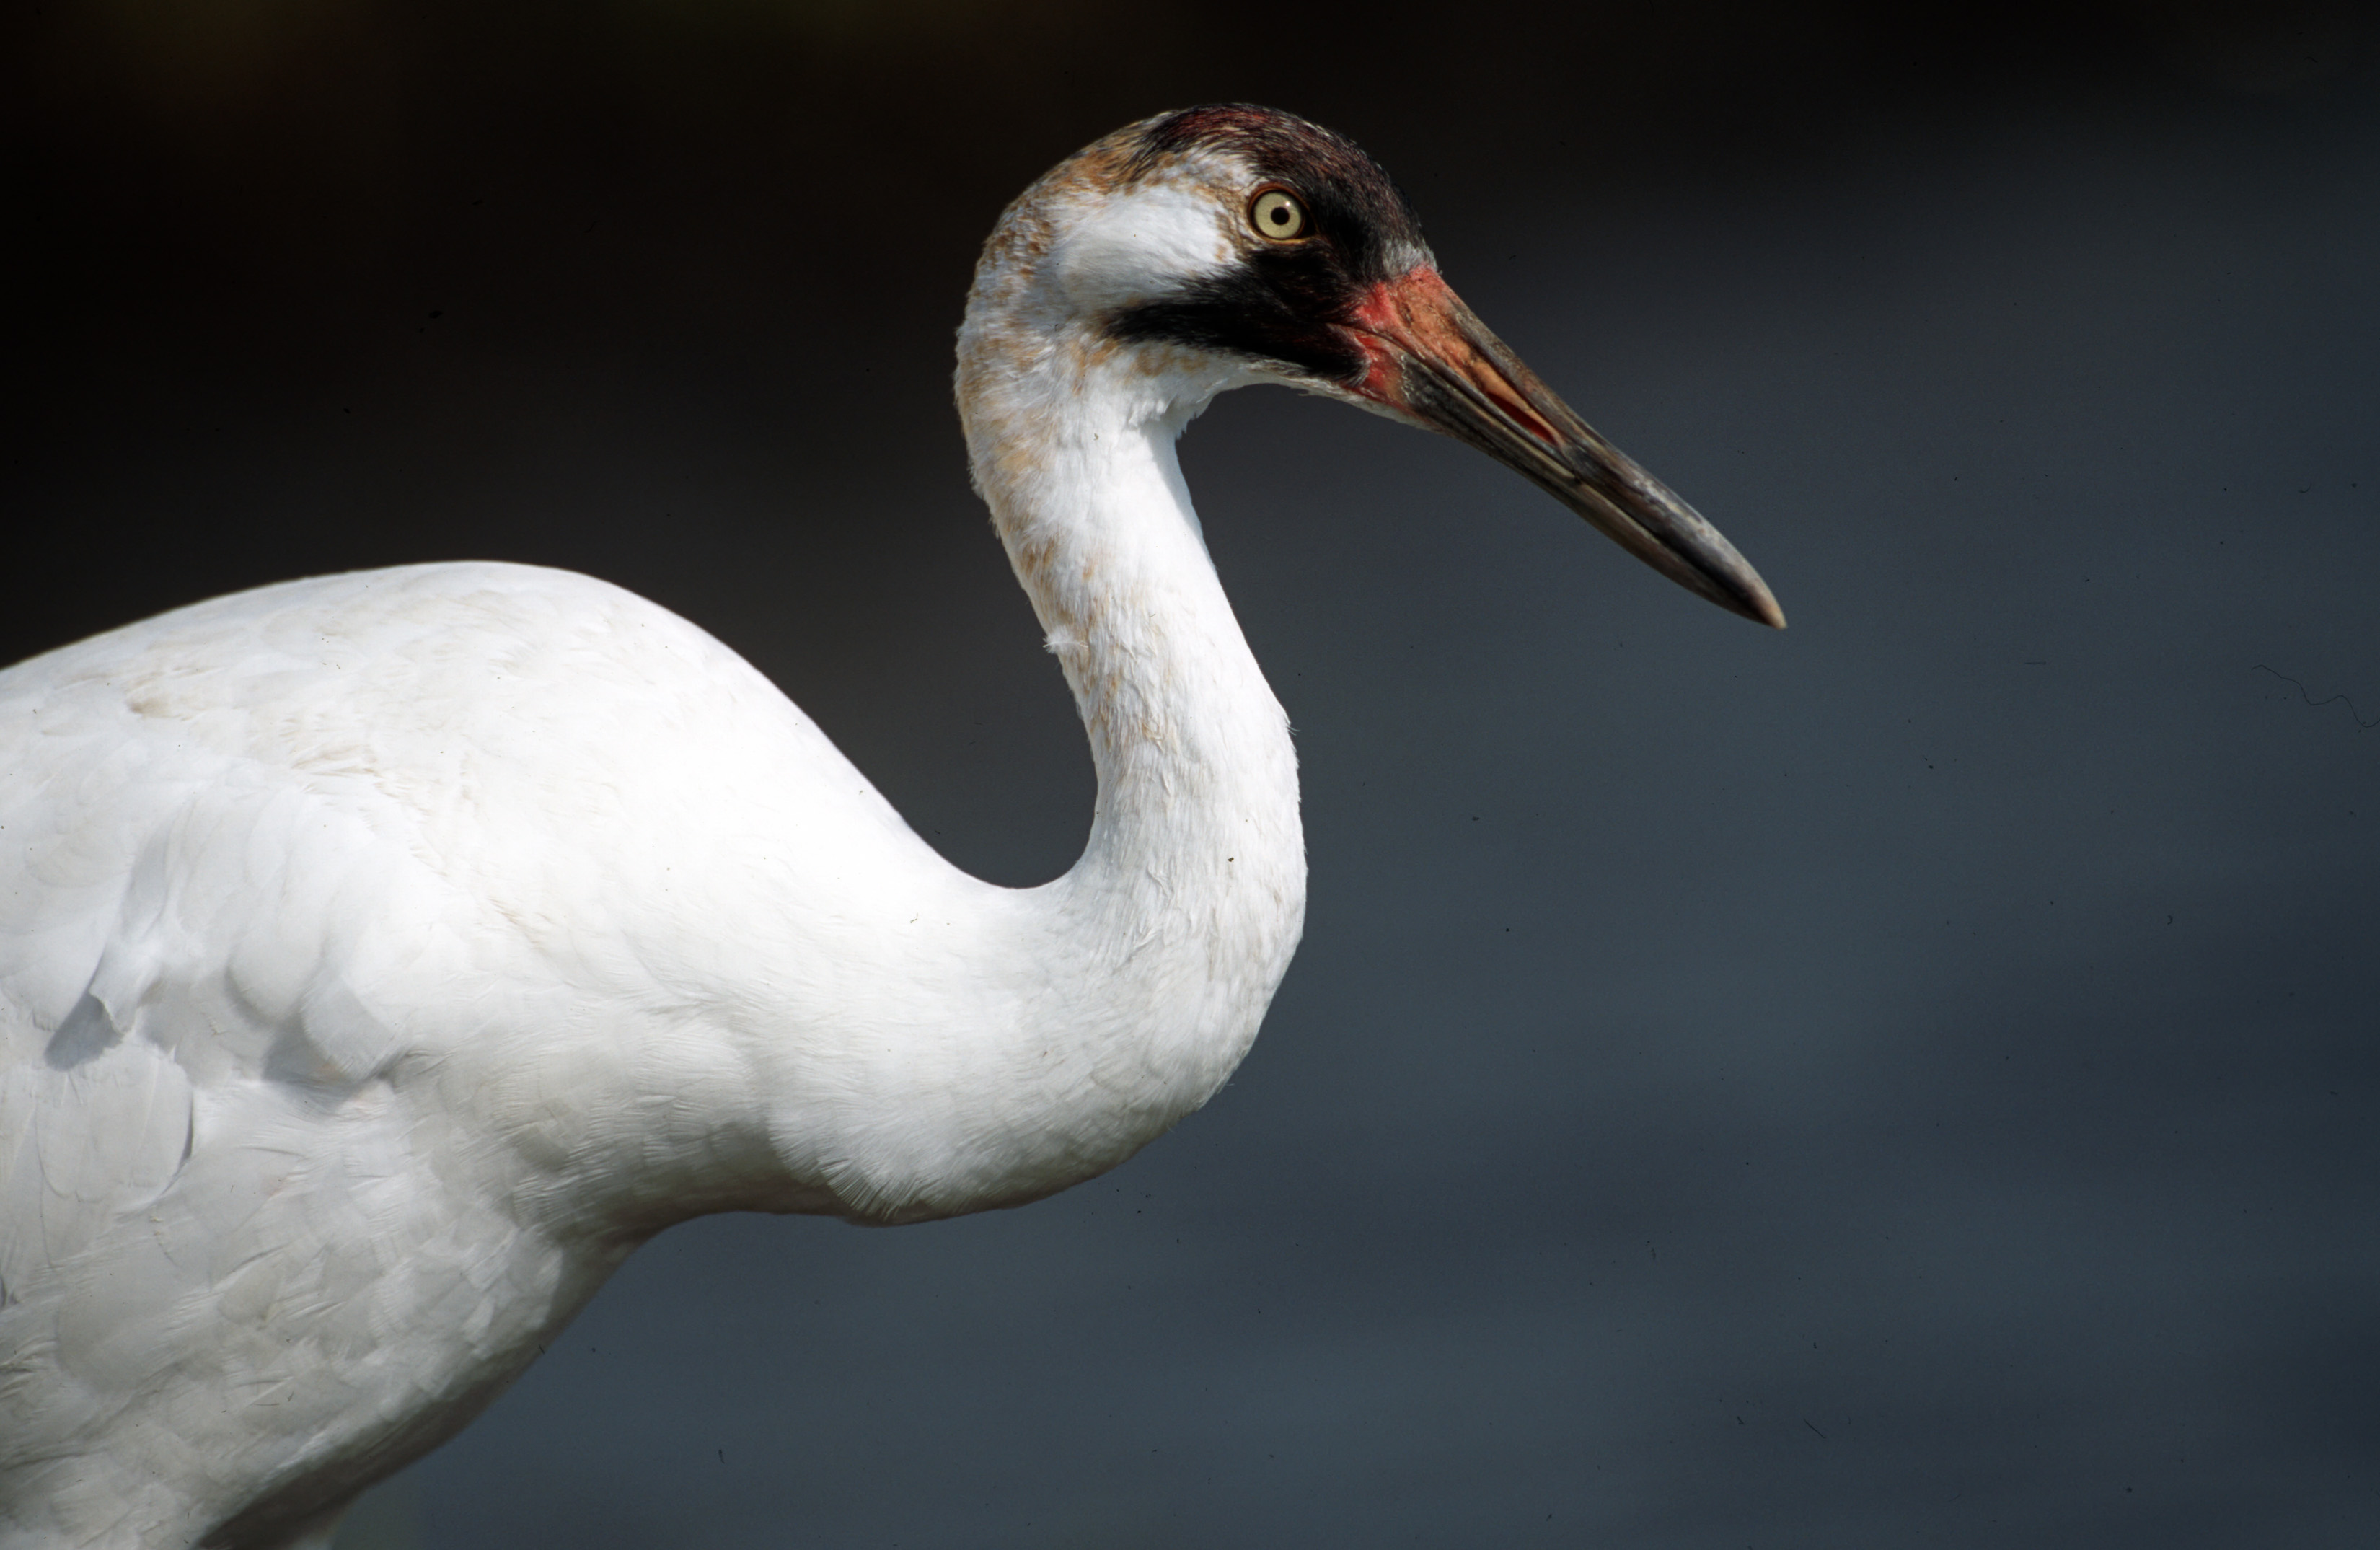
point(1284, 301)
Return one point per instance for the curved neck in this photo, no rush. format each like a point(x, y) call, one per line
point(939, 1044)
point(1189, 745)
point(875, 1035)
point(1136, 981)
point(1196, 832)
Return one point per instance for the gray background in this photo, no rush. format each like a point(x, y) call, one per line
point(1910, 1080)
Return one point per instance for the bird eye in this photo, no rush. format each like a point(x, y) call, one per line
point(1276, 213)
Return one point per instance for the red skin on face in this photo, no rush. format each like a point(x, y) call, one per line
point(1418, 314)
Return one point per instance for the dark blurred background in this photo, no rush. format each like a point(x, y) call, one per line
point(1907, 1080)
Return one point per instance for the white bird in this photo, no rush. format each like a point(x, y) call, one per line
point(385, 957)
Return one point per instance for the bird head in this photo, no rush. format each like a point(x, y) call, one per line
point(1230, 244)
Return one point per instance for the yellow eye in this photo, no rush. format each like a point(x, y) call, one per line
point(1276, 213)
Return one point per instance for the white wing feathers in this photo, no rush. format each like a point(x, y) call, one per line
point(235, 845)
point(79, 1147)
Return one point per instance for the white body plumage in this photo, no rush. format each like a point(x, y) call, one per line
point(369, 1000)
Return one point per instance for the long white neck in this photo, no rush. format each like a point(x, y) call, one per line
point(1153, 961)
point(918, 1043)
point(1191, 751)
point(992, 1046)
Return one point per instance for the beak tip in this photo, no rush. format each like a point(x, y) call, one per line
point(1739, 589)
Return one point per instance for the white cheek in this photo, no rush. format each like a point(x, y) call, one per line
point(1137, 246)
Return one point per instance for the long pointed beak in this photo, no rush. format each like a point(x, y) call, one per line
point(1432, 361)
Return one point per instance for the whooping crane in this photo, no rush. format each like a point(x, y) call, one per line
point(383, 957)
